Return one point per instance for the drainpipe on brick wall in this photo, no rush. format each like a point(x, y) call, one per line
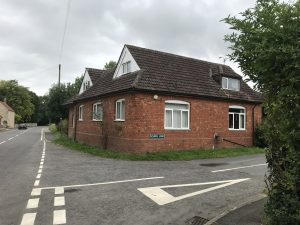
point(75, 124)
point(253, 125)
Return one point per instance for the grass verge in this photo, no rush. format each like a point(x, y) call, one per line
point(158, 156)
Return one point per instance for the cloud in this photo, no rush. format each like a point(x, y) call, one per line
point(31, 34)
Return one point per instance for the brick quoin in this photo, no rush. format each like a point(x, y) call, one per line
point(144, 115)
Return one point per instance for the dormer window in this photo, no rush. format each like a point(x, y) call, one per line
point(230, 84)
point(86, 85)
point(126, 67)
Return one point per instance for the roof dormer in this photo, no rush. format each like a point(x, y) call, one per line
point(86, 82)
point(126, 63)
point(231, 83)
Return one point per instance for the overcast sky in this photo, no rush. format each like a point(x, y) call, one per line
point(31, 34)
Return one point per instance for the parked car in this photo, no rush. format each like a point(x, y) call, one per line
point(22, 126)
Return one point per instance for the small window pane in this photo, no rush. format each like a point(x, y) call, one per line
point(231, 121)
point(242, 121)
point(185, 122)
point(224, 82)
point(176, 106)
point(236, 110)
point(233, 84)
point(176, 119)
point(123, 110)
point(236, 121)
point(168, 118)
point(118, 110)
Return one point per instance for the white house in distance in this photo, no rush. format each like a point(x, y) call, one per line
point(7, 115)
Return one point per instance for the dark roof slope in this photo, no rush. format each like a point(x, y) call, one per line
point(7, 106)
point(165, 72)
point(94, 74)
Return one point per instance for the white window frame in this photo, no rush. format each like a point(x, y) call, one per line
point(181, 110)
point(227, 79)
point(121, 101)
point(80, 113)
point(232, 113)
point(94, 107)
point(126, 67)
point(86, 85)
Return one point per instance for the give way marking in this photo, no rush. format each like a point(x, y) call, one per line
point(162, 197)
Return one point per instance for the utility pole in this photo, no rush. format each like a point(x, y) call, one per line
point(59, 68)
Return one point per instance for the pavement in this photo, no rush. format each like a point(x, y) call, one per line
point(43, 183)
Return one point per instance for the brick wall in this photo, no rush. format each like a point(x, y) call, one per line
point(144, 116)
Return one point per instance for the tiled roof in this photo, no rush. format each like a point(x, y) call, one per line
point(169, 73)
point(94, 74)
point(7, 106)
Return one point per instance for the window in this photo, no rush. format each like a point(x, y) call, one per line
point(230, 84)
point(97, 111)
point(120, 110)
point(177, 115)
point(86, 85)
point(126, 67)
point(236, 118)
point(80, 113)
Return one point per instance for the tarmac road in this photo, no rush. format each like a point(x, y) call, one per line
point(42, 183)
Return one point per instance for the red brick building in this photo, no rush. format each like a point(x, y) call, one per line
point(156, 101)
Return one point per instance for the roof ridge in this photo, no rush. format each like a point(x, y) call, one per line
point(176, 55)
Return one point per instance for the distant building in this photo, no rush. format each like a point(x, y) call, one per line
point(7, 115)
point(156, 101)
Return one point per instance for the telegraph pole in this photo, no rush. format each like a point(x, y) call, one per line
point(59, 69)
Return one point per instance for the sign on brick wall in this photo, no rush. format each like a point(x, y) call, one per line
point(157, 136)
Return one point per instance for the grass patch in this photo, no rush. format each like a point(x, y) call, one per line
point(164, 156)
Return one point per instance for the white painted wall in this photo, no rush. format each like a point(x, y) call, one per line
point(125, 57)
point(86, 77)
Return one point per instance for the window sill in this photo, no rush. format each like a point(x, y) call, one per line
point(80, 120)
point(119, 120)
point(180, 129)
point(96, 120)
point(237, 129)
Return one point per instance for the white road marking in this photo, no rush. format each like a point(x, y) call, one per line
point(42, 160)
point(36, 183)
point(59, 217)
point(40, 171)
point(17, 135)
point(161, 197)
point(38, 176)
point(59, 201)
point(41, 163)
point(241, 167)
point(36, 191)
point(43, 157)
point(59, 190)
point(28, 219)
point(2, 142)
point(42, 131)
point(41, 167)
point(10, 138)
point(33, 203)
point(95, 184)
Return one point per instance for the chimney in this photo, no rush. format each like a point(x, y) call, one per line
point(210, 72)
point(221, 69)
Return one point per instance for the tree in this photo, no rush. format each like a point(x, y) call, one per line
point(58, 95)
point(266, 43)
point(19, 98)
point(110, 65)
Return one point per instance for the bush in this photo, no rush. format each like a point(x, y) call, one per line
point(63, 126)
point(53, 128)
point(259, 138)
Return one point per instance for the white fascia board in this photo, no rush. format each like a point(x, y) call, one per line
point(86, 77)
point(125, 57)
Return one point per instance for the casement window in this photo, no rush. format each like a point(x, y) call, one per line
point(126, 67)
point(120, 110)
point(97, 111)
point(230, 84)
point(237, 118)
point(86, 85)
point(177, 115)
point(80, 113)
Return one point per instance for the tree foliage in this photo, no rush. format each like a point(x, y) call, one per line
point(266, 44)
point(19, 98)
point(110, 65)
